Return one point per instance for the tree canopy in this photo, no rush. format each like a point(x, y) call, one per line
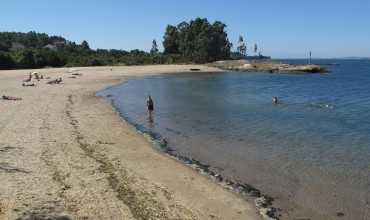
point(154, 49)
point(199, 40)
point(242, 47)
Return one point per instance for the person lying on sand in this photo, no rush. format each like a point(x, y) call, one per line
point(28, 84)
point(52, 81)
point(56, 81)
point(5, 97)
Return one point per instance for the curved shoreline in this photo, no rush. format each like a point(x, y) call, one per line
point(263, 202)
point(89, 162)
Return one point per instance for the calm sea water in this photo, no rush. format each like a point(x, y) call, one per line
point(311, 152)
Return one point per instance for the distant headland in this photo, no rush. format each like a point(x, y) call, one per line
point(267, 65)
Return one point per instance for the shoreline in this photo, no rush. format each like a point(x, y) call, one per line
point(298, 185)
point(89, 162)
point(263, 202)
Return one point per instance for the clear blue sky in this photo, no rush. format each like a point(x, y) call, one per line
point(282, 28)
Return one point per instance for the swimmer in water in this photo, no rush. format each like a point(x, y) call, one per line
point(275, 100)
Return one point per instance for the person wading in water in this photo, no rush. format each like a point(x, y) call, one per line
point(150, 104)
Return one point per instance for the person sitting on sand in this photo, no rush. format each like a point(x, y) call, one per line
point(275, 100)
point(150, 104)
point(5, 97)
point(29, 78)
point(37, 77)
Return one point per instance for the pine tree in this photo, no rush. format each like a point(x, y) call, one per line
point(242, 47)
point(154, 49)
point(255, 48)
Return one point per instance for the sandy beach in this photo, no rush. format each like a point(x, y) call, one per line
point(66, 153)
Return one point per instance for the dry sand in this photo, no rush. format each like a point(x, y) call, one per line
point(66, 154)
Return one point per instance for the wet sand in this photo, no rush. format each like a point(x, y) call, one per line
point(66, 153)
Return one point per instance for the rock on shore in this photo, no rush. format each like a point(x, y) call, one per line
point(267, 66)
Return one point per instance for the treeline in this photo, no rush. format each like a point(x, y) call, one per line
point(34, 50)
point(197, 41)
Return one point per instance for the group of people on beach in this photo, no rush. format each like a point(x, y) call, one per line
point(28, 82)
point(37, 76)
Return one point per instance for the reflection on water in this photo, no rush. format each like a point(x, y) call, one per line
point(311, 151)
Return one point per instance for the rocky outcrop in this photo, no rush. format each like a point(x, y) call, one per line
point(267, 66)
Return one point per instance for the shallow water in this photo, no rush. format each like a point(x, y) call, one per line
point(311, 152)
